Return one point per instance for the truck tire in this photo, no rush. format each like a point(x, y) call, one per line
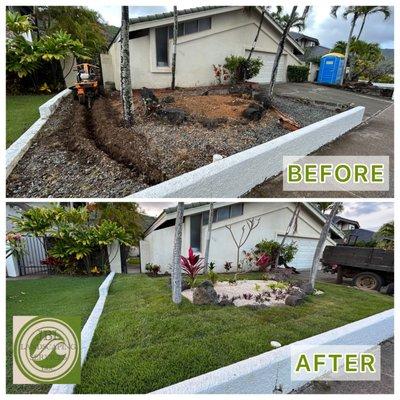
point(368, 281)
point(390, 289)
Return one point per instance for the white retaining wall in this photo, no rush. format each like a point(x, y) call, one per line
point(17, 150)
point(87, 333)
point(256, 375)
point(235, 175)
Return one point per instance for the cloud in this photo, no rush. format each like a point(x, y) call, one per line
point(155, 208)
point(370, 215)
point(112, 14)
point(329, 30)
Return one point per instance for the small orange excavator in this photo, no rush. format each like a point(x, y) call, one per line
point(86, 88)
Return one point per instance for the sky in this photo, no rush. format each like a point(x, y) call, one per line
point(319, 24)
point(370, 215)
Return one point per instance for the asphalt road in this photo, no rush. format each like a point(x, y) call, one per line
point(374, 137)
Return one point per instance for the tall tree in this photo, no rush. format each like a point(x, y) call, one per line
point(264, 10)
point(208, 237)
point(176, 281)
point(288, 22)
point(321, 242)
point(175, 38)
point(292, 224)
point(365, 11)
point(355, 12)
point(126, 85)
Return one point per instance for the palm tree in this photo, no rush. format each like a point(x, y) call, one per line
point(368, 10)
point(176, 281)
point(321, 243)
point(264, 10)
point(292, 20)
point(175, 36)
point(208, 237)
point(126, 86)
point(356, 13)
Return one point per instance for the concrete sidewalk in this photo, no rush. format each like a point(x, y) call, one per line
point(384, 386)
point(374, 137)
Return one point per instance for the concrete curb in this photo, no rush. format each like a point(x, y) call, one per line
point(17, 150)
point(87, 333)
point(236, 175)
point(256, 375)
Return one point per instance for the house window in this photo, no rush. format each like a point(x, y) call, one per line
point(195, 232)
point(162, 46)
point(189, 27)
point(222, 213)
point(204, 24)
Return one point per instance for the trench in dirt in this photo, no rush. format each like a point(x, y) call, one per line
point(124, 145)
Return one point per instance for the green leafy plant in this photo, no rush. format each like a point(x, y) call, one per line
point(153, 269)
point(212, 276)
point(271, 248)
point(279, 285)
point(297, 73)
point(240, 68)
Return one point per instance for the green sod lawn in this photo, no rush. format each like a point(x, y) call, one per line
point(22, 112)
point(145, 342)
point(52, 296)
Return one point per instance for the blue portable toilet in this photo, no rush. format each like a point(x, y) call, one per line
point(330, 68)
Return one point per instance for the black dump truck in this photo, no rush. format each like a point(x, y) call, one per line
point(369, 268)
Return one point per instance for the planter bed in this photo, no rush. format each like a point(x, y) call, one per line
point(144, 342)
point(80, 153)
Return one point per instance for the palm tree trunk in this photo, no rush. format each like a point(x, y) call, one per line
point(257, 35)
point(279, 52)
point(346, 56)
point(362, 26)
point(174, 47)
point(176, 265)
point(126, 86)
point(291, 222)
point(321, 242)
point(208, 237)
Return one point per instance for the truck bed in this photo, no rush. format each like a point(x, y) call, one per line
point(359, 257)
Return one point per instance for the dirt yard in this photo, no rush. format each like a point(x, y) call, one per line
point(82, 153)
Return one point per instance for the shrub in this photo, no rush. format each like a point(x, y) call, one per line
point(385, 79)
point(192, 265)
point(271, 248)
point(297, 73)
point(239, 67)
point(228, 265)
point(153, 269)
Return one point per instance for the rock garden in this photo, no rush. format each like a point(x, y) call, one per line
point(89, 153)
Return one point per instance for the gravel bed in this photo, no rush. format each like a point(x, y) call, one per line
point(80, 153)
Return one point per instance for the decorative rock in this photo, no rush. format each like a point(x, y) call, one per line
point(217, 157)
point(254, 112)
point(293, 300)
point(148, 95)
point(173, 115)
point(205, 294)
point(167, 100)
point(225, 302)
point(307, 288)
point(296, 291)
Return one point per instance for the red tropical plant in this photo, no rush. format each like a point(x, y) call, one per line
point(263, 261)
point(192, 265)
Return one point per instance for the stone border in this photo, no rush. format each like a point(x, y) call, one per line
point(17, 150)
point(256, 375)
point(87, 333)
point(235, 175)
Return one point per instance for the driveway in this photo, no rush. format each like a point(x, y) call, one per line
point(374, 137)
point(312, 91)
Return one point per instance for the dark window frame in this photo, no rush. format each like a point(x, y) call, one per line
point(217, 218)
point(162, 54)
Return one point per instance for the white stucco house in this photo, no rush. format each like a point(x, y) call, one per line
point(157, 245)
point(206, 35)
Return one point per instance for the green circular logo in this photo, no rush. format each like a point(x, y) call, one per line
point(46, 349)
